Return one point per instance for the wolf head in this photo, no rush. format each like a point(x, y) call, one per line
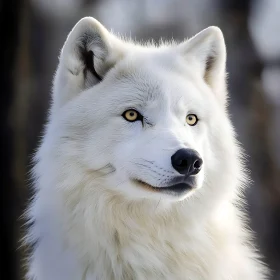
point(140, 121)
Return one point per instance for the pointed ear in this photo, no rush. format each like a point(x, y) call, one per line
point(207, 50)
point(89, 52)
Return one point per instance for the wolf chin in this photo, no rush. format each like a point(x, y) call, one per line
point(139, 175)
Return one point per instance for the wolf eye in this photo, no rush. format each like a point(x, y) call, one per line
point(191, 119)
point(132, 116)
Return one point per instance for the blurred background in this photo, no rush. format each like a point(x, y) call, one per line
point(32, 34)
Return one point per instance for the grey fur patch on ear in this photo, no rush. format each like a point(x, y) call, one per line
point(87, 56)
point(209, 64)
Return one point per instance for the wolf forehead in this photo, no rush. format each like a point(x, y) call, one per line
point(148, 91)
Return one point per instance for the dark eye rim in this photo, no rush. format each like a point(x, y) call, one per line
point(197, 119)
point(139, 116)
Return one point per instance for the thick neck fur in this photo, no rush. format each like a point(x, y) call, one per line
point(141, 240)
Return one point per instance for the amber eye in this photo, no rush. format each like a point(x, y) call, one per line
point(191, 119)
point(132, 115)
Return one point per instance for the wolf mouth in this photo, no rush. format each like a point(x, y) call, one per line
point(176, 188)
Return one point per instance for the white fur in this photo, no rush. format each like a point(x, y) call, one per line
point(89, 219)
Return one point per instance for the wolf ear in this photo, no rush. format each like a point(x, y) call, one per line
point(89, 52)
point(207, 50)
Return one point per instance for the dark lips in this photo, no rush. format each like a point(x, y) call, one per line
point(176, 188)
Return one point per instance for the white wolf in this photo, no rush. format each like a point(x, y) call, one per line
point(139, 175)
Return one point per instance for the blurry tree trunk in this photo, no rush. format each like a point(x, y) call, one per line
point(9, 25)
point(264, 196)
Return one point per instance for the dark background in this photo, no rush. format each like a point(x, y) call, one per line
point(32, 34)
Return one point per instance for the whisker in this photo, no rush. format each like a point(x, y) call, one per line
point(108, 169)
point(158, 203)
point(149, 161)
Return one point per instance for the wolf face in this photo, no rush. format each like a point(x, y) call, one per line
point(140, 117)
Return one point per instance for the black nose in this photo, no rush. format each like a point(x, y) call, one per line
point(187, 162)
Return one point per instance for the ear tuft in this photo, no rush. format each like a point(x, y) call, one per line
point(207, 50)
